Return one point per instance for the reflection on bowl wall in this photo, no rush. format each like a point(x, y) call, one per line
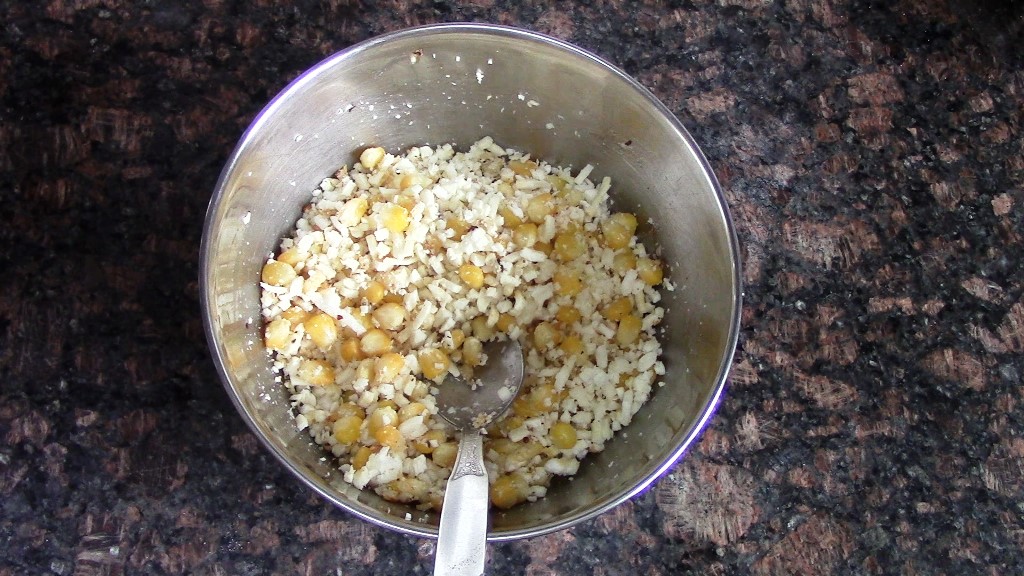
point(454, 84)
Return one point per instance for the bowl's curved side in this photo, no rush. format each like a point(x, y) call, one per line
point(457, 83)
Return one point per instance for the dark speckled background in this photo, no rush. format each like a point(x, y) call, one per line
point(872, 155)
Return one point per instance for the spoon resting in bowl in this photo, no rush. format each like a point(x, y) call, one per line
point(470, 406)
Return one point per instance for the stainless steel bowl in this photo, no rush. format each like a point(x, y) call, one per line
point(457, 83)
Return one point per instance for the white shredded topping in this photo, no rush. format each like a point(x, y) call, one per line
point(399, 269)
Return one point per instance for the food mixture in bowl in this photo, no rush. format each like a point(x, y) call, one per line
point(401, 267)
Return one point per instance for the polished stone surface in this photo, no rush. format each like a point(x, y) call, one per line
point(873, 158)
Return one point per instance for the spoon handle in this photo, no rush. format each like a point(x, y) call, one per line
point(462, 535)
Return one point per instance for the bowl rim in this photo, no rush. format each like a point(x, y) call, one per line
point(649, 475)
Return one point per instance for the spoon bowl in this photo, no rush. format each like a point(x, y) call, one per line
point(476, 402)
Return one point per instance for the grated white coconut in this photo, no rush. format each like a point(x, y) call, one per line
point(407, 227)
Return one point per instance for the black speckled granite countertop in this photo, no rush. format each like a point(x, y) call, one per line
point(872, 154)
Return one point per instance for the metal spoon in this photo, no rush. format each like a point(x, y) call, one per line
point(471, 407)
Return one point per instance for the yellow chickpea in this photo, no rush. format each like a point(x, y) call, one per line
point(509, 217)
point(457, 337)
point(471, 275)
point(390, 436)
point(557, 183)
point(650, 271)
point(618, 308)
point(322, 329)
point(409, 489)
point(568, 315)
point(540, 399)
point(545, 335)
point(481, 329)
point(628, 330)
point(295, 315)
point(618, 230)
point(624, 261)
point(361, 456)
point(387, 367)
point(364, 320)
point(458, 226)
point(434, 363)
point(510, 423)
point(563, 435)
point(572, 345)
point(444, 454)
point(540, 207)
point(507, 491)
point(374, 292)
point(290, 256)
point(572, 196)
point(525, 235)
point(352, 211)
point(544, 398)
point(395, 217)
point(350, 350)
point(505, 323)
point(382, 416)
point(375, 342)
point(523, 454)
point(370, 157)
point(569, 245)
point(349, 409)
point(411, 410)
point(316, 372)
point(521, 407)
point(502, 446)
point(277, 334)
point(364, 370)
point(277, 273)
point(522, 168)
point(389, 316)
point(431, 439)
point(567, 283)
point(346, 429)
